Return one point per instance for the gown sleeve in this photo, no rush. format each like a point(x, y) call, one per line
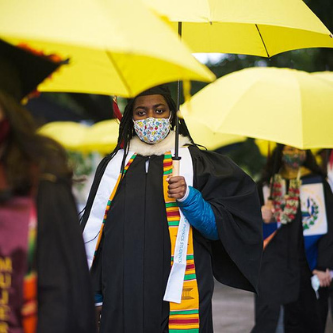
point(65, 299)
point(233, 196)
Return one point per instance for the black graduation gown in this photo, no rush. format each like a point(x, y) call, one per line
point(65, 298)
point(285, 273)
point(133, 262)
point(280, 268)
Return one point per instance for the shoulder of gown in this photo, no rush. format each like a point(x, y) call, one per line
point(65, 297)
point(233, 195)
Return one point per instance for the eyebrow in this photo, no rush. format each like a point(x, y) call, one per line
point(155, 106)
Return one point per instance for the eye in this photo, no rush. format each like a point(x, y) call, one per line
point(159, 111)
point(140, 113)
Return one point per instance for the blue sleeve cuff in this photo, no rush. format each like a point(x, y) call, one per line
point(199, 213)
point(98, 299)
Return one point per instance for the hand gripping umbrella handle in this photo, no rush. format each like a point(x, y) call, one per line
point(175, 167)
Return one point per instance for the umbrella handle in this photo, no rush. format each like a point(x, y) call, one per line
point(176, 158)
point(175, 167)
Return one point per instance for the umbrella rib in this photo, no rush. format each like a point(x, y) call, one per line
point(119, 72)
point(262, 41)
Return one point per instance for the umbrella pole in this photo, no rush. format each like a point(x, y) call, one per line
point(176, 158)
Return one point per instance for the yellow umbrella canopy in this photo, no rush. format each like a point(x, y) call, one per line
point(101, 137)
point(326, 75)
point(276, 104)
point(204, 136)
point(265, 147)
point(68, 133)
point(120, 48)
point(260, 27)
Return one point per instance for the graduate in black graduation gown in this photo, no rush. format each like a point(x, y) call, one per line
point(285, 276)
point(132, 264)
point(34, 173)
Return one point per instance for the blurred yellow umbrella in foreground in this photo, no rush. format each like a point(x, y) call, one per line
point(260, 27)
point(118, 49)
point(276, 104)
point(100, 137)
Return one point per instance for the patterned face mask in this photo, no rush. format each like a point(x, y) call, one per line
point(293, 160)
point(152, 130)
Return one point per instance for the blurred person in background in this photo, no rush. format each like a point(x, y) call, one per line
point(296, 271)
point(45, 283)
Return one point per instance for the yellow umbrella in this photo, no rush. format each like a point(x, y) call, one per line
point(276, 104)
point(120, 51)
point(324, 75)
point(204, 136)
point(68, 133)
point(265, 147)
point(100, 137)
point(260, 27)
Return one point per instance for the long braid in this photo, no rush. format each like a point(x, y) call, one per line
point(125, 133)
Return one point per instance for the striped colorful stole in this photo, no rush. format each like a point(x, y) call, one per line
point(121, 175)
point(184, 317)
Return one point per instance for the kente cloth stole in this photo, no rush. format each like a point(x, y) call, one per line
point(184, 316)
point(113, 193)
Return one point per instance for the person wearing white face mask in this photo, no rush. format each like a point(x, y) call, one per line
point(296, 271)
point(163, 237)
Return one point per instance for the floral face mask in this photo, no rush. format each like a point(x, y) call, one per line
point(293, 160)
point(152, 130)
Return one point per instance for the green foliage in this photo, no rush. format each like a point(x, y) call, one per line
point(247, 156)
point(82, 164)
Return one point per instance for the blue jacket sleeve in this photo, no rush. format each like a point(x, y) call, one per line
point(98, 299)
point(199, 213)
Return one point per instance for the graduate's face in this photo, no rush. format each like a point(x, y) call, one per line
point(151, 118)
point(150, 106)
point(293, 157)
